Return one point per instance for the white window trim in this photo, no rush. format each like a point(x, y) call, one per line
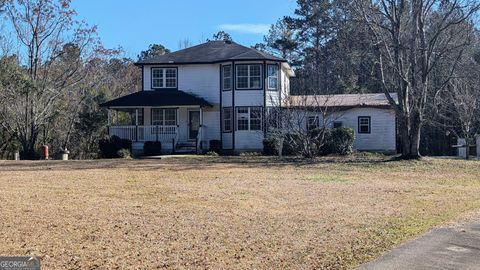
point(369, 125)
point(230, 77)
point(276, 76)
point(162, 110)
point(249, 119)
point(224, 119)
point(164, 77)
point(248, 77)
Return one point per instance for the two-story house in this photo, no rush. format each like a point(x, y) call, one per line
point(213, 91)
point(222, 91)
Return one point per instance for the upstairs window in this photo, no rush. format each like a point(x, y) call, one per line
point(364, 124)
point(249, 76)
point(164, 78)
point(272, 74)
point(249, 118)
point(227, 77)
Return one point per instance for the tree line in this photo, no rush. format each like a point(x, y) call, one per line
point(425, 51)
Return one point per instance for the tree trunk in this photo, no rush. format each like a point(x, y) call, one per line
point(410, 136)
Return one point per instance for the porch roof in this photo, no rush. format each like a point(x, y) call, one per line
point(157, 98)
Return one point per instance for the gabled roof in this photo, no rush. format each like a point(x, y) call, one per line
point(342, 101)
point(211, 52)
point(157, 98)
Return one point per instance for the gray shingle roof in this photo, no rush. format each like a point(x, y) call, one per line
point(346, 100)
point(211, 52)
point(157, 98)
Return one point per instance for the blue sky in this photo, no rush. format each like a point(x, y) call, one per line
point(134, 25)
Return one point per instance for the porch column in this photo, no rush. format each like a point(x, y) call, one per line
point(136, 124)
point(200, 130)
point(136, 117)
point(109, 121)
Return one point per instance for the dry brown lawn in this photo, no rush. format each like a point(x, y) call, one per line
point(226, 213)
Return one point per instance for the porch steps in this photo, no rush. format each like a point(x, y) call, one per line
point(186, 148)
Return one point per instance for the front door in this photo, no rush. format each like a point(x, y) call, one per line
point(193, 124)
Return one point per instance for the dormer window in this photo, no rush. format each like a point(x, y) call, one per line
point(164, 78)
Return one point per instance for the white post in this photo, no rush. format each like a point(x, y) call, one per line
point(136, 124)
point(462, 151)
point(136, 117)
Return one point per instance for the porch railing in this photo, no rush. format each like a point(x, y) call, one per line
point(145, 133)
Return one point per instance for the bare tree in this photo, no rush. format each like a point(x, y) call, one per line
point(43, 28)
point(301, 122)
point(412, 37)
point(457, 107)
point(184, 43)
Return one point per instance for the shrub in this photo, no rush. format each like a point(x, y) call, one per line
point(109, 147)
point(270, 146)
point(152, 148)
point(124, 153)
point(215, 146)
point(291, 145)
point(338, 141)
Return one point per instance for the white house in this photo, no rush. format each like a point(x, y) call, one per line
point(220, 90)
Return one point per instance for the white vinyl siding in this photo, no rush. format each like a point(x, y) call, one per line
point(382, 136)
point(164, 78)
point(249, 76)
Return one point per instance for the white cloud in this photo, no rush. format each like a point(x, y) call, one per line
point(247, 28)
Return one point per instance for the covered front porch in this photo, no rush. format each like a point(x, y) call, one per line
point(160, 118)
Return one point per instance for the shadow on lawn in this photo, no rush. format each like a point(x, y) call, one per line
point(191, 163)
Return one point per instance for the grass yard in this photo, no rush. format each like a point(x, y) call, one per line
point(226, 213)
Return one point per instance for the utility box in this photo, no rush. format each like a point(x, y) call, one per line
point(462, 151)
point(44, 149)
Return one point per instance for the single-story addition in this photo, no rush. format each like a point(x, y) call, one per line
point(369, 115)
point(221, 91)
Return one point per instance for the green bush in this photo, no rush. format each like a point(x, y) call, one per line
point(152, 148)
point(215, 146)
point(109, 147)
point(270, 146)
point(338, 141)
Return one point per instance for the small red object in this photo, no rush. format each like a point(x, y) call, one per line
point(45, 152)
